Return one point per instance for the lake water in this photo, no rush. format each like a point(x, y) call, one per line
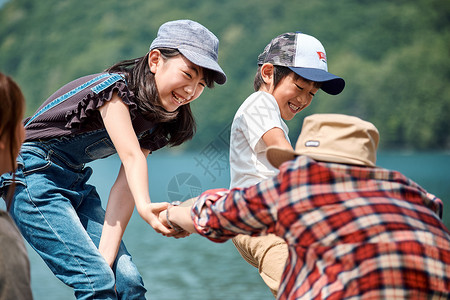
point(194, 267)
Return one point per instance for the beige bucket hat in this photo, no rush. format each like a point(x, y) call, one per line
point(332, 138)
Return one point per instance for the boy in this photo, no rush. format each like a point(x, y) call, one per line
point(291, 69)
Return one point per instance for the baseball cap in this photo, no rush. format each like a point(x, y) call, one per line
point(333, 138)
point(304, 55)
point(199, 45)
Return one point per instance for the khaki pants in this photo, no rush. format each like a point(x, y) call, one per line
point(267, 253)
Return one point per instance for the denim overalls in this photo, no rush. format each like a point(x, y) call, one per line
point(61, 216)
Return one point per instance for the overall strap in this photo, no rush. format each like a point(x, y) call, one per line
point(111, 79)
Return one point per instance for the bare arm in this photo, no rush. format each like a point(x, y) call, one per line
point(180, 216)
point(131, 186)
point(275, 137)
point(118, 212)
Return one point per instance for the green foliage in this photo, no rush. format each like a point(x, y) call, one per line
point(394, 55)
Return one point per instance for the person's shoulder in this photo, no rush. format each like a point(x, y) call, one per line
point(242, 108)
point(242, 111)
point(102, 77)
point(86, 81)
point(256, 98)
point(261, 96)
point(89, 77)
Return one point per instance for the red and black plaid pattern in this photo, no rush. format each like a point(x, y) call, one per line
point(353, 232)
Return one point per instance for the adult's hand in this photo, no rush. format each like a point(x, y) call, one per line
point(177, 233)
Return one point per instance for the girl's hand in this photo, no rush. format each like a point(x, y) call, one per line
point(150, 213)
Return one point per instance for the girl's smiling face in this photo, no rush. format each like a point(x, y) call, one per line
point(178, 80)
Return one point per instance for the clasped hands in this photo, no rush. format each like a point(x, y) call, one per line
point(157, 216)
point(176, 231)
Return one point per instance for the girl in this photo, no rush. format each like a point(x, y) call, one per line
point(136, 107)
point(14, 264)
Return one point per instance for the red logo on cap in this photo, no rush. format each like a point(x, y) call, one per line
point(322, 56)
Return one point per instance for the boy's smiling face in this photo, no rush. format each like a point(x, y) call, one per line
point(293, 94)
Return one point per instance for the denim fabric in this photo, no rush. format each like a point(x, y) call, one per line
point(61, 216)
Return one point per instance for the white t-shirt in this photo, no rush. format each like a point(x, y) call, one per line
point(248, 163)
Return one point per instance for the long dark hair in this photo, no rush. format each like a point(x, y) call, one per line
point(12, 105)
point(179, 125)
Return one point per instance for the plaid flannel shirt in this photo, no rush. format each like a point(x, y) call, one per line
point(353, 232)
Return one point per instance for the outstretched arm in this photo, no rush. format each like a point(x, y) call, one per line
point(219, 214)
point(131, 186)
point(179, 217)
point(118, 212)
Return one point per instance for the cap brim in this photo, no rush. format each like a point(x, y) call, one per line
point(207, 63)
point(331, 83)
point(276, 155)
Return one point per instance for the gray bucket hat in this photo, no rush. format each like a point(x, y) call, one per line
point(199, 45)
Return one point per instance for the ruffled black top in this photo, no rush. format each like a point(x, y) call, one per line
point(73, 109)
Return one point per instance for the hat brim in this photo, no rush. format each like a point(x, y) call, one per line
point(337, 159)
point(277, 156)
point(207, 63)
point(331, 84)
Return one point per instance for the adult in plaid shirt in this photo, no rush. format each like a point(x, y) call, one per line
point(354, 230)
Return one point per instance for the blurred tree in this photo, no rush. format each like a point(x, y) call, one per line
point(394, 55)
